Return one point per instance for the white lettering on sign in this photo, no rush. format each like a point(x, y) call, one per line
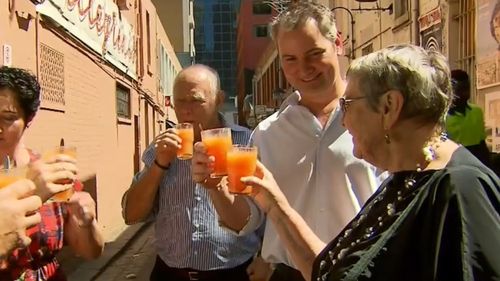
point(98, 24)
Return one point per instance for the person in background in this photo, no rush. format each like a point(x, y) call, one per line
point(70, 223)
point(436, 217)
point(304, 144)
point(465, 121)
point(190, 242)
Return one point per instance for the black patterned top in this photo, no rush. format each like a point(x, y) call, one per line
point(430, 225)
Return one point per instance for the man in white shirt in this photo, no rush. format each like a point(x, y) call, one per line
point(304, 144)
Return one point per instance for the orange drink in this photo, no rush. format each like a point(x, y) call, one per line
point(218, 142)
point(62, 196)
point(186, 133)
point(241, 162)
point(9, 176)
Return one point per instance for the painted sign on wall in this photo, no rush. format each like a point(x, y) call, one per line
point(431, 30)
point(488, 43)
point(98, 24)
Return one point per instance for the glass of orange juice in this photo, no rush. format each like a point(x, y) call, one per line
point(241, 162)
point(186, 133)
point(62, 196)
point(218, 142)
point(9, 176)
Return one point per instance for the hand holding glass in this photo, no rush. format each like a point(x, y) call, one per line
point(217, 142)
point(7, 177)
point(50, 154)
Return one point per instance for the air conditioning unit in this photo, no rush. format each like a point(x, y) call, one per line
point(124, 4)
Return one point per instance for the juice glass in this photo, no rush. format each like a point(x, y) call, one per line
point(186, 133)
point(62, 196)
point(9, 176)
point(217, 142)
point(241, 162)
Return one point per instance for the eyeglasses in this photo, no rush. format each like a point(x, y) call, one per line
point(344, 103)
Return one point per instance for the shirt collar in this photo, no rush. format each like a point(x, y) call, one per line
point(294, 99)
point(291, 100)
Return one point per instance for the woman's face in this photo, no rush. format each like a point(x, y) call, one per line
point(364, 124)
point(12, 122)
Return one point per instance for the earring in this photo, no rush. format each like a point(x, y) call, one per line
point(387, 138)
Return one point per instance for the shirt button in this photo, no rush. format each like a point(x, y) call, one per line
point(195, 252)
point(197, 198)
point(196, 225)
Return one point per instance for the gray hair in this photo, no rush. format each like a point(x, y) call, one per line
point(297, 14)
point(422, 76)
point(213, 76)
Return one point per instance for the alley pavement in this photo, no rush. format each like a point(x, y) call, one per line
point(130, 257)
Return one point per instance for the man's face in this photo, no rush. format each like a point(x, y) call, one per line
point(461, 92)
point(309, 59)
point(194, 99)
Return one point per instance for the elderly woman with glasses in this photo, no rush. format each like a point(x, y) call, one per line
point(435, 218)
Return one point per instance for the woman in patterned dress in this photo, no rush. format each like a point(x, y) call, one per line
point(70, 223)
point(435, 218)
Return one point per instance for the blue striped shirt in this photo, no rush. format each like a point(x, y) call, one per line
point(187, 230)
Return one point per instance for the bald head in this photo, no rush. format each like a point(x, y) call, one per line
point(200, 73)
point(197, 95)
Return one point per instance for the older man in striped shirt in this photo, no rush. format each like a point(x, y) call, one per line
point(191, 245)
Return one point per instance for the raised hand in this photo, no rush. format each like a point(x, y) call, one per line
point(166, 146)
point(82, 209)
point(53, 175)
point(18, 211)
point(202, 167)
point(265, 190)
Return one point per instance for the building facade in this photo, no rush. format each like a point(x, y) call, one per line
point(215, 39)
point(177, 17)
point(252, 41)
point(443, 25)
point(97, 63)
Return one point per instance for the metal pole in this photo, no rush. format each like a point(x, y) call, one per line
point(352, 28)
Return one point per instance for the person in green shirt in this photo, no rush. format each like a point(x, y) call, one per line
point(465, 121)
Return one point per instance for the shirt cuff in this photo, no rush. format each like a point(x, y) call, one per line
point(255, 220)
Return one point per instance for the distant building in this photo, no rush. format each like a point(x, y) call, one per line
point(215, 39)
point(177, 17)
point(252, 40)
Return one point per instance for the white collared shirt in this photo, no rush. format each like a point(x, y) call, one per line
point(316, 171)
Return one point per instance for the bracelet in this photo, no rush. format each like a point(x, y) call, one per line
point(161, 166)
